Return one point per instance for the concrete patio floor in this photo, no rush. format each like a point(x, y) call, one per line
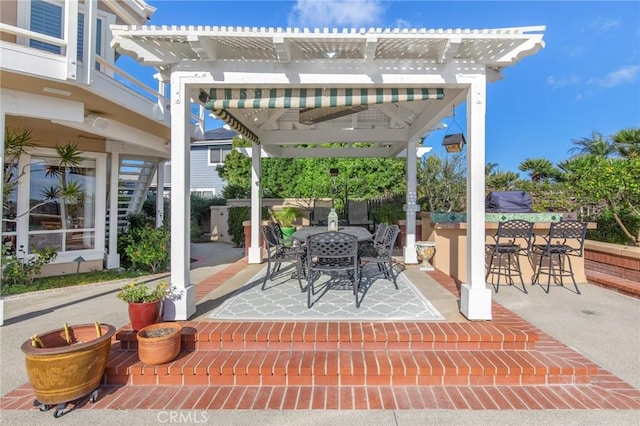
point(601, 325)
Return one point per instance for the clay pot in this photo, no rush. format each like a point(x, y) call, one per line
point(60, 372)
point(144, 314)
point(159, 343)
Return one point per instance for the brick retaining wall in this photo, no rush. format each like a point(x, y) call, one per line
point(613, 259)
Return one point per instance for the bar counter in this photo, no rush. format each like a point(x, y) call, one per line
point(449, 230)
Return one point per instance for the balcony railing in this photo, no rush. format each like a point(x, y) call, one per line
point(155, 96)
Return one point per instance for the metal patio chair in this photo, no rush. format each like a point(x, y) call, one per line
point(382, 254)
point(278, 252)
point(565, 239)
point(512, 239)
point(332, 253)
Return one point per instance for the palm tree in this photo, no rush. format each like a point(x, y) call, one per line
point(502, 181)
point(539, 169)
point(598, 145)
point(627, 142)
point(490, 169)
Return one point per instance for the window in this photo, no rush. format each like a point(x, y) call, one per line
point(218, 153)
point(62, 224)
point(204, 193)
point(46, 18)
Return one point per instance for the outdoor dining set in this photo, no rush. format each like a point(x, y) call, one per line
point(341, 254)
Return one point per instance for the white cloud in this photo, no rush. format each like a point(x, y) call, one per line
point(626, 74)
point(335, 13)
point(605, 24)
point(570, 80)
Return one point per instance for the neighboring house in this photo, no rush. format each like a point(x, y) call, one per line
point(205, 156)
point(118, 123)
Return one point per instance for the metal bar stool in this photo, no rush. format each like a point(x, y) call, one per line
point(565, 239)
point(512, 238)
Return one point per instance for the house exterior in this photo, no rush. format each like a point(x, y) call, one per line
point(205, 156)
point(120, 125)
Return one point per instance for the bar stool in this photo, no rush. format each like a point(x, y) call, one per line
point(565, 239)
point(512, 238)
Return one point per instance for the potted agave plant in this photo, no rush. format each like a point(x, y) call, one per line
point(145, 304)
point(287, 217)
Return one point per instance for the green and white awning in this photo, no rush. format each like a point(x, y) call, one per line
point(311, 98)
point(220, 100)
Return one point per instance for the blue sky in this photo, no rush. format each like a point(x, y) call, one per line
point(586, 79)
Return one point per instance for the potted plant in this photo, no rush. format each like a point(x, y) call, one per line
point(66, 364)
point(145, 304)
point(287, 217)
point(159, 343)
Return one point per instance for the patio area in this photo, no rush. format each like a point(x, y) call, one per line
point(505, 364)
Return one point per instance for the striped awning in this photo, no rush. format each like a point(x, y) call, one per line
point(236, 125)
point(311, 98)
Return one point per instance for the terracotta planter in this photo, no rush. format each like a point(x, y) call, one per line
point(144, 314)
point(62, 373)
point(162, 349)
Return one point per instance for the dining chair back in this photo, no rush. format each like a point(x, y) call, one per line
point(331, 252)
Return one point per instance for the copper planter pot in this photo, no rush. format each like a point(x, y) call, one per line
point(162, 349)
point(60, 372)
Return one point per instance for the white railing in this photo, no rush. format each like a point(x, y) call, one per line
point(21, 32)
point(106, 68)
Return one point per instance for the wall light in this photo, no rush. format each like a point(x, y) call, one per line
point(97, 121)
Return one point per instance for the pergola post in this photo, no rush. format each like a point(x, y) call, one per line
point(410, 255)
point(475, 296)
point(113, 257)
point(184, 305)
point(255, 250)
point(160, 194)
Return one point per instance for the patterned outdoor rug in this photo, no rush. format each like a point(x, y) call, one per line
point(283, 299)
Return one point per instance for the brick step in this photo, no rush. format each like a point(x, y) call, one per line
point(621, 285)
point(320, 368)
point(343, 336)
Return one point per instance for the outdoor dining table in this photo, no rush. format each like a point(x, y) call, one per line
point(362, 234)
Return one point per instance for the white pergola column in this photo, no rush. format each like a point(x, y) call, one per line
point(410, 255)
point(255, 250)
point(113, 257)
point(1, 192)
point(183, 306)
point(475, 296)
point(160, 194)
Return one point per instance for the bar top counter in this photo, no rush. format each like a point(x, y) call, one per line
point(448, 230)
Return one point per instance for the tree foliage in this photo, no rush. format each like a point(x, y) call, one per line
point(613, 181)
point(442, 183)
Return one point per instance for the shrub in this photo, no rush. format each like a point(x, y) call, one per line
point(141, 293)
point(20, 270)
point(237, 215)
point(147, 248)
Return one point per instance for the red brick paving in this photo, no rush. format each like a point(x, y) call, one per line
point(483, 356)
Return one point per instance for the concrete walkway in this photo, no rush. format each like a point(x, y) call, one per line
point(602, 325)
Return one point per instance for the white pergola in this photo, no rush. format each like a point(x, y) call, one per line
point(281, 88)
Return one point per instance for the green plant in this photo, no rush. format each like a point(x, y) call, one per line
point(389, 213)
point(18, 269)
point(287, 216)
point(237, 215)
point(148, 248)
point(141, 293)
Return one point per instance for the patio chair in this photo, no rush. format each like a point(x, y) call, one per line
point(320, 212)
point(278, 252)
point(512, 239)
point(332, 252)
point(358, 214)
point(565, 239)
point(382, 256)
